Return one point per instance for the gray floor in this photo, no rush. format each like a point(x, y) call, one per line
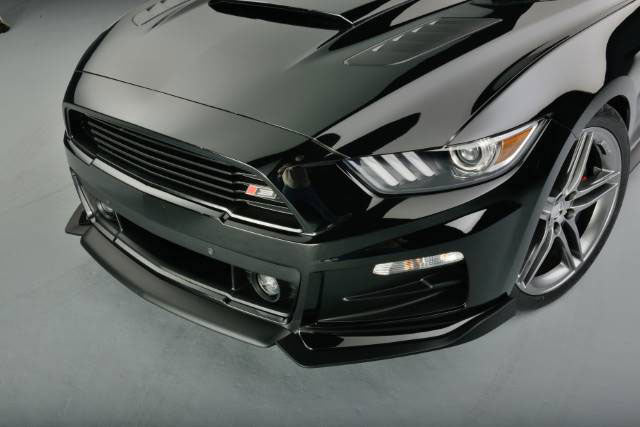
point(77, 348)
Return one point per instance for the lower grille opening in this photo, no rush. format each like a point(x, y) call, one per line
point(187, 263)
point(207, 276)
point(214, 274)
point(195, 272)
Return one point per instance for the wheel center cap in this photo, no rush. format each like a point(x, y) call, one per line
point(559, 209)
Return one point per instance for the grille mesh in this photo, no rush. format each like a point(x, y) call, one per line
point(178, 170)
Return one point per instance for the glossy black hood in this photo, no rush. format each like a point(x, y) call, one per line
point(421, 69)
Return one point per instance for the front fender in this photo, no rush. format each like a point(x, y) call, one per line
point(572, 82)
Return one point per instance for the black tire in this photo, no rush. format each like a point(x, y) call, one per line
point(609, 119)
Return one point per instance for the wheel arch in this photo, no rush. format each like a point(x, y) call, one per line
point(622, 105)
point(617, 94)
point(555, 87)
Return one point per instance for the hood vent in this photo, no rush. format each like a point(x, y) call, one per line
point(282, 14)
point(426, 40)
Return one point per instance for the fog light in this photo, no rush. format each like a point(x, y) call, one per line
point(266, 286)
point(105, 210)
point(416, 264)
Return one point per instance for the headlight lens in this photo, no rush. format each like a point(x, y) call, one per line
point(445, 168)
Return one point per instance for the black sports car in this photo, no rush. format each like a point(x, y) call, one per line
point(354, 179)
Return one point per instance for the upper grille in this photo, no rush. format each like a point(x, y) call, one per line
point(178, 169)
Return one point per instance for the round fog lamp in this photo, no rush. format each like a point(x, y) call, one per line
point(266, 286)
point(106, 210)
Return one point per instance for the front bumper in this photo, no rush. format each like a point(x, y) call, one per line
point(325, 326)
point(306, 349)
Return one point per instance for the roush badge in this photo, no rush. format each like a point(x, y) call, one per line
point(261, 192)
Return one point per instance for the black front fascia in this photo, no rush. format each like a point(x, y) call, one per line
point(338, 263)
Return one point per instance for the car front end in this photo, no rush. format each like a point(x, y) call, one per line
point(339, 244)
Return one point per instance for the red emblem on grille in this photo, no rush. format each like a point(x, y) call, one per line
point(261, 192)
point(252, 190)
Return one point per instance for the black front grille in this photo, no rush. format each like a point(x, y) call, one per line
point(173, 167)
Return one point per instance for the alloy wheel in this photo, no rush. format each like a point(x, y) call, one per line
point(576, 214)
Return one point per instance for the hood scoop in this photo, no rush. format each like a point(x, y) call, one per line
point(325, 14)
point(282, 14)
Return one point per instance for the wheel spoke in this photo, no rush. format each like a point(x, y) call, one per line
point(567, 253)
point(572, 236)
point(607, 177)
point(537, 256)
point(595, 191)
point(579, 162)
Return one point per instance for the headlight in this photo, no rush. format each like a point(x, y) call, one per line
point(445, 168)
